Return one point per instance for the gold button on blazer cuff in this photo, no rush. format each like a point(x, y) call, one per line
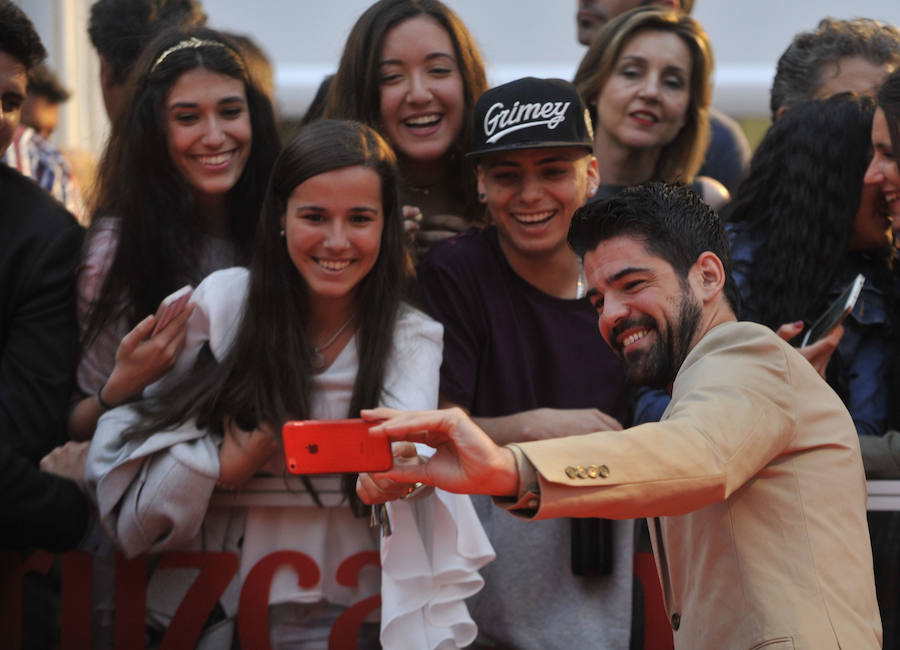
point(593, 471)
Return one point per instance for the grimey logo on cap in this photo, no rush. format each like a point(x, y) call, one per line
point(522, 116)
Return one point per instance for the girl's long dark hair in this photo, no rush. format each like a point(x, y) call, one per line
point(799, 201)
point(266, 374)
point(159, 233)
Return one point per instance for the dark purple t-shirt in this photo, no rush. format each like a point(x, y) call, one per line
point(509, 347)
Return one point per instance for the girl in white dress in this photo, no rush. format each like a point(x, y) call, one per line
point(316, 329)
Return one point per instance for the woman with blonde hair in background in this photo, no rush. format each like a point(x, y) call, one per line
point(646, 80)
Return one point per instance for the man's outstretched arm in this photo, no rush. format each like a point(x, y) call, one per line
point(466, 460)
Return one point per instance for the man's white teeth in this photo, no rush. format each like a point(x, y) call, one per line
point(215, 159)
point(423, 120)
point(534, 217)
point(633, 337)
point(333, 265)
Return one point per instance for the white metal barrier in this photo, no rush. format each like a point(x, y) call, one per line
point(270, 491)
point(884, 495)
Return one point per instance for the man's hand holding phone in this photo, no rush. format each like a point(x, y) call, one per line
point(465, 461)
point(373, 490)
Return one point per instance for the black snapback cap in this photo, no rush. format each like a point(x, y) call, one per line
point(531, 113)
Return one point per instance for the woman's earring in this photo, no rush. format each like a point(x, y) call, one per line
point(482, 196)
point(281, 232)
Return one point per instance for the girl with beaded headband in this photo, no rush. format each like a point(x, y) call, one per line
point(411, 70)
point(315, 329)
point(178, 194)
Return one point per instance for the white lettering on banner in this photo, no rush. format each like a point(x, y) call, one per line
point(522, 116)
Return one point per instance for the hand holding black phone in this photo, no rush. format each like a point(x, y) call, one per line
point(836, 312)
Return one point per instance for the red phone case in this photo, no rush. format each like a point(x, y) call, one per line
point(334, 447)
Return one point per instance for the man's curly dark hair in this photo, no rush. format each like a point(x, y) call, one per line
point(670, 218)
point(18, 37)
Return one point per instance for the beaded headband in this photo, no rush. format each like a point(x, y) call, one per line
point(188, 43)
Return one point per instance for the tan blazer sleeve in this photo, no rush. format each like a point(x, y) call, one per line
point(731, 414)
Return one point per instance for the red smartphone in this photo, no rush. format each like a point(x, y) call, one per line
point(171, 306)
point(334, 447)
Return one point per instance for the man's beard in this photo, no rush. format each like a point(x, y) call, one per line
point(657, 367)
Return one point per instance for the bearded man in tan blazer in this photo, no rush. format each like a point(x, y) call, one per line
point(752, 481)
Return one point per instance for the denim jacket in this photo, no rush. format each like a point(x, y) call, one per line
point(865, 353)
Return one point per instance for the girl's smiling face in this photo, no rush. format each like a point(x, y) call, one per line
point(333, 225)
point(422, 99)
point(208, 130)
point(883, 171)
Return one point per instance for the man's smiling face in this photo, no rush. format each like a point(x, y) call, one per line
point(647, 313)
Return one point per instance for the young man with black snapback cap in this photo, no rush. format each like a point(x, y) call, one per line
point(522, 355)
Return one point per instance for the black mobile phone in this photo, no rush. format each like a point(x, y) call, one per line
point(836, 312)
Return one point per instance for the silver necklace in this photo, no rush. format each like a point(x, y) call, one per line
point(318, 359)
point(579, 285)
